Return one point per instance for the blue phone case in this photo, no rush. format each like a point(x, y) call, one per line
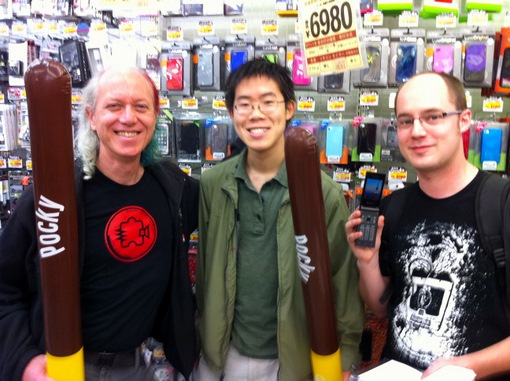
point(334, 140)
point(491, 145)
point(238, 57)
point(406, 62)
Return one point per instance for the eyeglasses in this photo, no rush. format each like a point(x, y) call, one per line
point(265, 107)
point(428, 119)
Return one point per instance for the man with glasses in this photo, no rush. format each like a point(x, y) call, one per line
point(252, 319)
point(428, 272)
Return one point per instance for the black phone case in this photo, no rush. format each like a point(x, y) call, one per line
point(366, 138)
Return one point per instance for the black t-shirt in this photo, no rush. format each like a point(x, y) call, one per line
point(129, 247)
point(446, 300)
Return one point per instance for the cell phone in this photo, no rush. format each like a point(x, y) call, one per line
point(491, 145)
point(373, 72)
point(443, 59)
point(205, 68)
point(366, 138)
point(237, 58)
point(369, 207)
point(174, 73)
point(505, 69)
point(334, 81)
point(406, 62)
point(334, 141)
point(474, 62)
point(298, 69)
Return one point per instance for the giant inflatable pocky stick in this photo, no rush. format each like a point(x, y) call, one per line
point(48, 88)
point(307, 204)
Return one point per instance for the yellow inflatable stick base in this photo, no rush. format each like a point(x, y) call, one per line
point(327, 367)
point(66, 368)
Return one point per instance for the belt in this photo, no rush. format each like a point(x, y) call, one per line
point(126, 359)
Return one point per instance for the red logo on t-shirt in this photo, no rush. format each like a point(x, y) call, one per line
point(130, 234)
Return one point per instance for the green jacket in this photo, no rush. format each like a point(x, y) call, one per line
point(216, 276)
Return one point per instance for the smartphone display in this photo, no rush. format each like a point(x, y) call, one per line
point(373, 72)
point(298, 69)
point(369, 207)
point(174, 73)
point(491, 145)
point(474, 62)
point(162, 133)
point(334, 141)
point(406, 62)
point(205, 72)
point(443, 59)
point(237, 58)
point(366, 138)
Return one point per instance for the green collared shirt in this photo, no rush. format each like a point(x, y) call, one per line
point(255, 317)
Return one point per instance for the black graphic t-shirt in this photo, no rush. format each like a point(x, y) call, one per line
point(446, 300)
point(127, 261)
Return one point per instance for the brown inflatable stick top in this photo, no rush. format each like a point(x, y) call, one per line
point(48, 87)
point(304, 177)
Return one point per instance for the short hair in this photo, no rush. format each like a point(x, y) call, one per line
point(260, 67)
point(87, 141)
point(456, 90)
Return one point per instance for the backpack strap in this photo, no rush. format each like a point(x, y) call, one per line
point(492, 212)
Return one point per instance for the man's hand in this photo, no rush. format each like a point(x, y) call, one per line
point(364, 254)
point(36, 370)
point(443, 361)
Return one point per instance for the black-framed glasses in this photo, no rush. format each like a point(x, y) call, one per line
point(427, 119)
point(265, 107)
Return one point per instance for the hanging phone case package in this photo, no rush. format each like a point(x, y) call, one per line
point(407, 52)
point(444, 52)
point(238, 50)
point(390, 151)
point(367, 140)
point(338, 83)
point(377, 47)
point(297, 66)
point(207, 69)
point(492, 145)
point(478, 47)
point(176, 68)
point(219, 135)
point(502, 82)
point(332, 138)
point(273, 49)
point(432, 8)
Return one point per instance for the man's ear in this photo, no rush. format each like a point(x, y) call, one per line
point(465, 120)
point(290, 109)
point(90, 115)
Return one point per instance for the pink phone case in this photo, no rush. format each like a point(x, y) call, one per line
point(298, 69)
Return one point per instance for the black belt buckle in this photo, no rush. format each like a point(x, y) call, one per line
point(105, 359)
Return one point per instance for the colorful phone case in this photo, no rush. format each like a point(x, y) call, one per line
point(271, 57)
point(443, 59)
point(237, 58)
point(474, 63)
point(334, 141)
point(373, 72)
point(174, 73)
point(205, 72)
point(298, 69)
point(491, 145)
point(406, 62)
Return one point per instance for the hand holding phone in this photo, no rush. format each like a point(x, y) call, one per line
point(369, 207)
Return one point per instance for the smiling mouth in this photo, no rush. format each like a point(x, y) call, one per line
point(258, 130)
point(127, 134)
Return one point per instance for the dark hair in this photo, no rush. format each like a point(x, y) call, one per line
point(260, 67)
point(456, 90)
